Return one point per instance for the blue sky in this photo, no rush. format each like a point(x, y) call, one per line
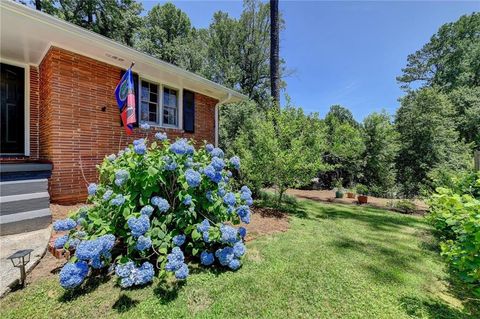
point(346, 53)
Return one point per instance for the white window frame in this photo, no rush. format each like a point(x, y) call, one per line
point(26, 100)
point(179, 107)
point(140, 79)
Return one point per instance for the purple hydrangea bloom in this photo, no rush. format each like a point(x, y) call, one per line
point(147, 210)
point(229, 199)
point(234, 264)
point(138, 226)
point(228, 234)
point(217, 152)
point(161, 203)
point(224, 255)
point(182, 272)
point(73, 274)
point(92, 189)
point(143, 243)
point(193, 177)
point(212, 174)
point(60, 241)
point(206, 258)
point(161, 136)
point(64, 224)
point(178, 240)
point(217, 163)
point(239, 249)
point(242, 231)
point(235, 161)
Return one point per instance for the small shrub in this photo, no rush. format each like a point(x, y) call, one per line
point(404, 205)
point(362, 189)
point(456, 216)
point(156, 206)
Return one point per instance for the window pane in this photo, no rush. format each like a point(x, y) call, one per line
point(149, 101)
point(153, 87)
point(144, 111)
point(170, 106)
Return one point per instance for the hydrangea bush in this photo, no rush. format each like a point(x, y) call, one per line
point(157, 207)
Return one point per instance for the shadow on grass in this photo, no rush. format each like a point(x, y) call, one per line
point(90, 284)
point(290, 204)
point(167, 292)
point(421, 308)
point(124, 303)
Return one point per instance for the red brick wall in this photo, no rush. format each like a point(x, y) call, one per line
point(34, 105)
point(75, 134)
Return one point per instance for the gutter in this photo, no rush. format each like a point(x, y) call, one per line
point(224, 101)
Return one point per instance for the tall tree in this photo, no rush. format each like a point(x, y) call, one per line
point(275, 52)
point(428, 139)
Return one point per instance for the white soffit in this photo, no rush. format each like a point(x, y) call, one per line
point(27, 34)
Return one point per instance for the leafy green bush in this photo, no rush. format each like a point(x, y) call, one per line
point(153, 199)
point(455, 213)
point(362, 189)
point(406, 206)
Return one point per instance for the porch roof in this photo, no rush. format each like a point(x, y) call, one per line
point(26, 36)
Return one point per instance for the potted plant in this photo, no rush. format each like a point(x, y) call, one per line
point(352, 191)
point(362, 192)
point(339, 189)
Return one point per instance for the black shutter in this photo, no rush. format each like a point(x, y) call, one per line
point(189, 111)
point(137, 95)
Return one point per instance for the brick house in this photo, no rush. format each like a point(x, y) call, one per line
point(59, 116)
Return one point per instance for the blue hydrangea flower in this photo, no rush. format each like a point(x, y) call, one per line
point(122, 174)
point(170, 164)
point(230, 209)
point(97, 263)
point(206, 258)
point(147, 210)
point(245, 189)
point(127, 282)
point(140, 149)
point(124, 270)
point(239, 249)
point(131, 275)
point(193, 177)
point(204, 226)
point(178, 240)
point(161, 203)
point(161, 136)
point(244, 213)
point(92, 189)
point(217, 152)
point(64, 224)
point(229, 174)
point(187, 201)
point(143, 243)
point(144, 274)
point(144, 126)
point(209, 196)
point(107, 195)
point(217, 163)
point(73, 274)
point(206, 236)
point(228, 234)
point(209, 148)
point(229, 199)
point(212, 174)
point(88, 249)
point(221, 191)
point(137, 142)
point(118, 200)
point(138, 226)
point(245, 196)
point(182, 273)
point(181, 147)
point(242, 231)
point(224, 255)
point(60, 241)
point(189, 162)
point(73, 242)
point(174, 259)
point(111, 157)
point(234, 264)
point(235, 161)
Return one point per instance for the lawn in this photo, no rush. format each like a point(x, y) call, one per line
point(335, 261)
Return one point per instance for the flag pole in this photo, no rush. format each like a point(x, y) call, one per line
point(133, 63)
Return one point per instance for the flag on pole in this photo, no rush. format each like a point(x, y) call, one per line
point(125, 95)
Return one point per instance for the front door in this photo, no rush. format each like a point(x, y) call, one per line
point(12, 130)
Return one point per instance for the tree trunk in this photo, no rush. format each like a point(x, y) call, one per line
point(38, 5)
point(275, 52)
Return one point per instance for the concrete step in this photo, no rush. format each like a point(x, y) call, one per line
point(23, 187)
point(25, 221)
point(15, 204)
point(23, 171)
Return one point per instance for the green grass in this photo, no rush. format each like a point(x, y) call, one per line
point(334, 262)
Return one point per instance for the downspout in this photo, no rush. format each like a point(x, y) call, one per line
point(224, 101)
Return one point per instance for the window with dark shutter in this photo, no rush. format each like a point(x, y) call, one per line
point(188, 111)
